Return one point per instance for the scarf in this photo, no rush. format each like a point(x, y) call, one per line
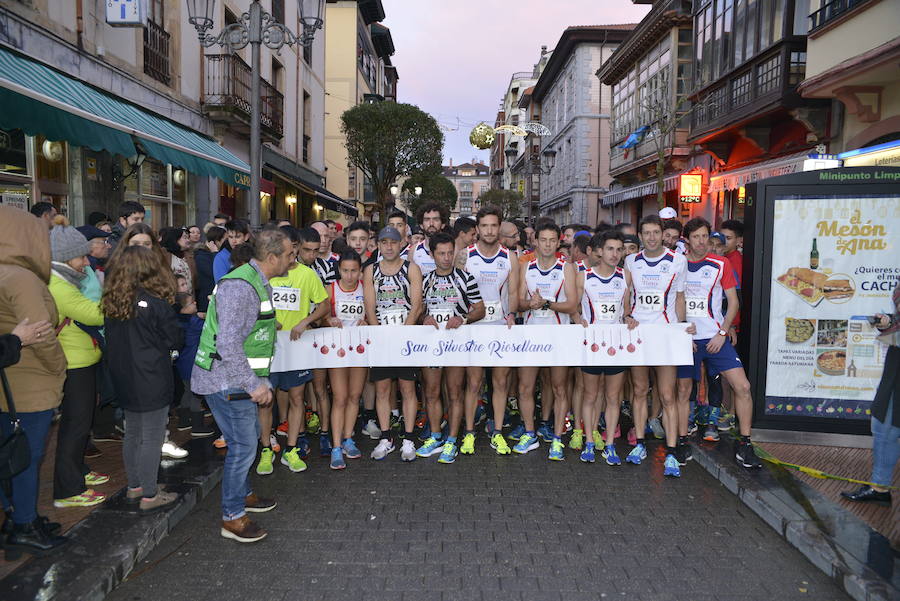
point(70, 275)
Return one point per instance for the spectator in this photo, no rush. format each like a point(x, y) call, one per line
point(241, 255)
point(44, 211)
point(236, 232)
point(98, 242)
point(203, 258)
point(627, 229)
point(142, 330)
point(97, 217)
point(140, 234)
point(221, 219)
point(190, 411)
point(175, 241)
point(72, 479)
point(106, 226)
point(195, 236)
point(36, 377)
point(130, 212)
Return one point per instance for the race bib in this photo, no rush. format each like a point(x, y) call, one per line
point(650, 301)
point(442, 316)
point(493, 311)
point(608, 312)
point(349, 310)
point(542, 313)
point(393, 316)
point(285, 299)
point(696, 306)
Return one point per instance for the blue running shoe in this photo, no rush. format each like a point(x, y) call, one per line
point(712, 418)
point(324, 445)
point(637, 454)
point(489, 426)
point(303, 446)
point(424, 434)
point(516, 432)
point(587, 455)
point(545, 433)
point(480, 413)
point(337, 459)
point(557, 449)
point(448, 453)
point(351, 451)
point(671, 467)
point(432, 446)
point(703, 415)
point(609, 453)
point(527, 442)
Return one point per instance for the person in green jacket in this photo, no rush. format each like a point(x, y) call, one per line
point(71, 477)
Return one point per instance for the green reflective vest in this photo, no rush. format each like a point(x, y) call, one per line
point(259, 346)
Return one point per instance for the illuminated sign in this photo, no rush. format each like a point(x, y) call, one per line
point(126, 13)
point(742, 195)
point(690, 187)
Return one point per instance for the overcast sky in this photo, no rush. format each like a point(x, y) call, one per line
point(455, 58)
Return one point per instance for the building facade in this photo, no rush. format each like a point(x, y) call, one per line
point(508, 114)
point(471, 180)
point(576, 107)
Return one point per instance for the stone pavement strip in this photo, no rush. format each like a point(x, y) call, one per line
point(488, 527)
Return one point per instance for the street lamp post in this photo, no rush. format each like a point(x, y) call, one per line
point(255, 27)
point(532, 167)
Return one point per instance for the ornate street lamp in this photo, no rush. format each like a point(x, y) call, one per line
point(255, 27)
point(550, 159)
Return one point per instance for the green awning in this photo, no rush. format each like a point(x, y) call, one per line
point(40, 100)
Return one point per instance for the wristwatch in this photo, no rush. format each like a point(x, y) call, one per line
point(546, 305)
point(722, 333)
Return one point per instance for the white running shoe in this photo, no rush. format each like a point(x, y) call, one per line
point(657, 428)
point(372, 430)
point(383, 448)
point(408, 451)
point(172, 450)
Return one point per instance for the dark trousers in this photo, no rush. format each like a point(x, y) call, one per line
point(144, 436)
point(79, 398)
point(105, 412)
point(25, 484)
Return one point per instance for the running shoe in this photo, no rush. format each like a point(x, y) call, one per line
point(372, 430)
point(172, 450)
point(598, 440)
point(432, 446)
point(498, 443)
point(506, 415)
point(88, 498)
point(712, 418)
point(726, 422)
point(382, 449)
point(637, 454)
point(702, 415)
point(480, 413)
point(351, 451)
point(282, 429)
point(421, 420)
point(516, 432)
point(681, 453)
point(587, 455)
point(528, 442)
point(545, 433)
point(220, 443)
point(568, 424)
point(657, 428)
point(395, 422)
point(324, 445)
point(609, 453)
point(266, 461)
point(292, 460)
point(273, 442)
point(408, 450)
point(424, 434)
point(671, 467)
point(489, 425)
point(448, 453)
point(302, 446)
point(468, 444)
point(312, 422)
point(692, 415)
point(95, 479)
point(631, 437)
point(337, 459)
point(577, 439)
point(557, 450)
point(745, 455)
point(711, 433)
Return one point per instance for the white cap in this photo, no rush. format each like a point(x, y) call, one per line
point(667, 213)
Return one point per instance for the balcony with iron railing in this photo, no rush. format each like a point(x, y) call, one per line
point(156, 52)
point(830, 11)
point(226, 97)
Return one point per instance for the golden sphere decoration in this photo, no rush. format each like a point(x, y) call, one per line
point(482, 136)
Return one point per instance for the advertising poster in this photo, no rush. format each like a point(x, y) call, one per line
point(834, 265)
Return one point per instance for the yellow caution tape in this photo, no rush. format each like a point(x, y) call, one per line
point(815, 473)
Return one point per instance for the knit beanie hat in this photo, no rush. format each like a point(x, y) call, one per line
point(67, 243)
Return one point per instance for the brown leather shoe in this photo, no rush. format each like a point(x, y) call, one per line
point(256, 504)
point(242, 530)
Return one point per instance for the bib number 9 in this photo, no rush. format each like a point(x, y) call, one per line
point(650, 301)
point(286, 299)
point(696, 306)
point(493, 311)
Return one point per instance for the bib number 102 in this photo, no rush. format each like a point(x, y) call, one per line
point(650, 301)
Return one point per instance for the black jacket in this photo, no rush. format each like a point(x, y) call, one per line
point(205, 283)
point(138, 354)
point(889, 388)
point(10, 346)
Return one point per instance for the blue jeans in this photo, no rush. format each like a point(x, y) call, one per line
point(885, 447)
point(239, 422)
point(25, 485)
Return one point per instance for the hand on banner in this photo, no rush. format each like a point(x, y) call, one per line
point(536, 302)
point(691, 329)
point(334, 322)
point(430, 321)
point(715, 344)
point(262, 396)
point(583, 322)
point(454, 322)
point(631, 322)
point(510, 321)
point(298, 329)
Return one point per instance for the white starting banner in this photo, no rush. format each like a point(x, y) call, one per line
point(484, 346)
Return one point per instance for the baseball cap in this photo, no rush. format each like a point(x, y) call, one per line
point(389, 233)
point(667, 213)
point(718, 236)
point(90, 232)
point(582, 233)
point(631, 238)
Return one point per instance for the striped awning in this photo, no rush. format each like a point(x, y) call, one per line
point(40, 100)
point(638, 191)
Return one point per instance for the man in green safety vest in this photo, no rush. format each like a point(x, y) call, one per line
point(233, 360)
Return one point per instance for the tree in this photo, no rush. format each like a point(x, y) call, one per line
point(435, 188)
point(508, 201)
point(387, 140)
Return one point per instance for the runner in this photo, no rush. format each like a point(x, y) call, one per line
point(451, 299)
point(492, 266)
point(347, 302)
point(432, 218)
point(393, 291)
point(672, 235)
point(397, 220)
point(324, 260)
point(606, 300)
point(708, 278)
point(657, 279)
point(547, 290)
point(291, 297)
point(317, 394)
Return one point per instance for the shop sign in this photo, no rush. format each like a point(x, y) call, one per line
point(881, 155)
point(19, 201)
point(690, 187)
point(126, 13)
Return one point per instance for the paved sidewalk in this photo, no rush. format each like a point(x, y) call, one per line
point(487, 527)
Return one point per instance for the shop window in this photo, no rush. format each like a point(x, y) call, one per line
point(13, 157)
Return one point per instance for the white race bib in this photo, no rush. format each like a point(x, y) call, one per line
point(393, 316)
point(696, 306)
point(285, 299)
point(650, 301)
point(607, 312)
point(542, 313)
point(442, 316)
point(349, 310)
point(493, 311)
